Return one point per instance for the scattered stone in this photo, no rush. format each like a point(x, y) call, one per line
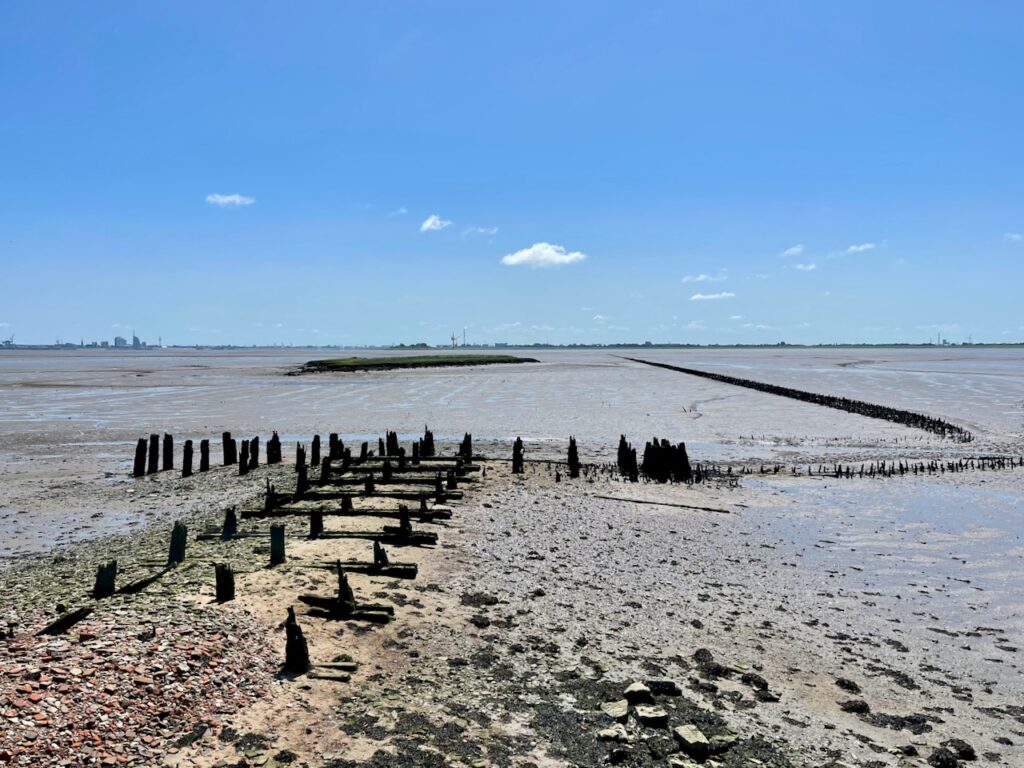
point(855, 706)
point(692, 741)
point(663, 686)
point(943, 758)
point(616, 710)
point(961, 749)
point(847, 685)
point(616, 733)
point(638, 693)
point(652, 717)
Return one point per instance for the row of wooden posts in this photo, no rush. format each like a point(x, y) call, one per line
point(148, 454)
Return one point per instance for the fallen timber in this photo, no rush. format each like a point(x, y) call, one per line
point(393, 570)
point(322, 495)
point(417, 538)
point(859, 407)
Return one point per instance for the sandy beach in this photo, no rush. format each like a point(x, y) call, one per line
point(792, 619)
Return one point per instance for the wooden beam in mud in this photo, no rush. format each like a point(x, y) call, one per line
point(290, 511)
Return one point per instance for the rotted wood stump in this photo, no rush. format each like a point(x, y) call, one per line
point(254, 452)
point(204, 455)
point(179, 537)
point(225, 582)
point(517, 457)
point(316, 524)
point(230, 527)
point(139, 467)
point(168, 451)
point(230, 449)
point(314, 451)
point(106, 580)
point(243, 459)
point(277, 544)
point(186, 459)
point(296, 651)
point(153, 462)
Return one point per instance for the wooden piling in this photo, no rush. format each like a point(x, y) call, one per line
point(225, 582)
point(106, 580)
point(296, 651)
point(277, 544)
point(204, 455)
point(316, 524)
point(168, 451)
point(139, 467)
point(254, 452)
point(230, 527)
point(243, 463)
point(229, 448)
point(153, 461)
point(314, 453)
point(179, 537)
point(186, 459)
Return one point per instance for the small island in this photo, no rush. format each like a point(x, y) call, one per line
point(347, 364)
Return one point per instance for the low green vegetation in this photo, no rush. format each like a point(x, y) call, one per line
point(412, 361)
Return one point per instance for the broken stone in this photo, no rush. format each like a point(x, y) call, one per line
point(961, 749)
point(855, 706)
point(662, 686)
point(692, 741)
point(616, 710)
point(943, 758)
point(652, 717)
point(616, 733)
point(638, 693)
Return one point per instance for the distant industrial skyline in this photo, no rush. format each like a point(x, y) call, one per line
point(368, 173)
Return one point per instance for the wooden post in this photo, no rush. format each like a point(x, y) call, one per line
point(314, 455)
point(296, 651)
point(254, 452)
point(300, 456)
point(229, 447)
point(453, 483)
point(243, 463)
point(517, 457)
point(204, 455)
point(274, 449)
point(301, 482)
point(416, 453)
point(346, 504)
point(179, 536)
point(230, 524)
point(106, 578)
point(168, 451)
point(186, 459)
point(153, 464)
point(574, 459)
point(225, 582)
point(364, 451)
point(325, 470)
point(382, 450)
point(277, 544)
point(333, 446)
point(139, 468)
point(380, 555)
point(316, 524)
point(385, 474)
point(368, 486)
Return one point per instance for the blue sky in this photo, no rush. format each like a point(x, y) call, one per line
point(378, 172)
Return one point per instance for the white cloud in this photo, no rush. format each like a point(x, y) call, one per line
point(398, 211)
point(735, 317)
point(796, 250)
point(480, 231)
point(600, 318)
point(433, 223)
point(1013, 237)
point(703, 278)
point(696, 325)
point(543, 255)
point(861, 248)
point(229, 201)
point(711, 296)
point(805, 267)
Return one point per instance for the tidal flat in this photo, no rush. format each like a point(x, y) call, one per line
point(815, 620)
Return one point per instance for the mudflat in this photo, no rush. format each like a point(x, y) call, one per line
point(790, 616)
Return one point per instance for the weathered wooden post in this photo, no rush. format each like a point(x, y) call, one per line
point(364, 451)
point(274, 449)
point(574, 459)
point(380, 555)
point(230, 524)
point(314, 453)
point(325, 470)
point(416, 454)
point(204, 455)
point(346, 459)
point(368, 485)
point(382, 451)
point(186, 459)
point(106, 578)
point(346, 597)
point(300, 455)
point(139, 468)
point(385, 474)
point(179, 537)
point(229, 447)
point(296, 651)
point(333, 446)
point(153, 464)
point(452, 481)
point(316, 524)
point(392, 446)
point(277, 544)
point(243, 463)
point(168, 451)
point(401, 459)
point(346, 504)
point(254, 452)
point(517, 456)
point(301, 482)
point(224, 576)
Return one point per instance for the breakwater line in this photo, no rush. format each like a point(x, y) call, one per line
point(871, 410)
